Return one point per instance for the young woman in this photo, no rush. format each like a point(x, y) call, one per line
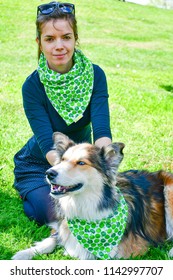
point(66, 93)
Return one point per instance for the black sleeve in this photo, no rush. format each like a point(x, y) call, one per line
point(34, 106)
point(100, 117)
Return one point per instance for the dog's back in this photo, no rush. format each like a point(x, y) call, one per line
point(150, 206)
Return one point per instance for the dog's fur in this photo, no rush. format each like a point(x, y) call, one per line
point(83, 185)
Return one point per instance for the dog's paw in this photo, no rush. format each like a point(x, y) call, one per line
point(23, 255)
point(65, 253)
point(170, 254)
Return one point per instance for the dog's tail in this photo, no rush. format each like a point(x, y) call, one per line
point(168, 195)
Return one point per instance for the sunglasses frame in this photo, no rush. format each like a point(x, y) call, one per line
point(55, 5)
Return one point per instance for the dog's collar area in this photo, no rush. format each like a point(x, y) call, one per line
point(101, 236)
point(58, 189)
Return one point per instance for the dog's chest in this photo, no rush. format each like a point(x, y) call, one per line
point(101, 236)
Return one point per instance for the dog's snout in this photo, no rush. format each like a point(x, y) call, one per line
point(51, 174)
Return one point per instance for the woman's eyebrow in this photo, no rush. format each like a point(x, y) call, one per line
point(65, 34)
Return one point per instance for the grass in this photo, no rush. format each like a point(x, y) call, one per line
point(133, 44)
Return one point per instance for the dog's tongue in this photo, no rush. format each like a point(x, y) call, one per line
point(57, 188)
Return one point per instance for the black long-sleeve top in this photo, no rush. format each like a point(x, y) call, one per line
point(44, 119)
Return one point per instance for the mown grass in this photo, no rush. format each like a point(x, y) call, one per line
point(133, 44)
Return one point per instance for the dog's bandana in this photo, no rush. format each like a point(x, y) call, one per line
point(99, 237)
point(69, 93)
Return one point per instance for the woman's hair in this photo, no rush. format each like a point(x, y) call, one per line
point(55, 15)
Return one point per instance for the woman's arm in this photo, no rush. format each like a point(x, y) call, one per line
point(100, 117)
point(34, 103)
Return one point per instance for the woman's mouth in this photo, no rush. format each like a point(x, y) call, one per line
point(59, 56)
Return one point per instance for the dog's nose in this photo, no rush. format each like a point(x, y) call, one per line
point(51, 174)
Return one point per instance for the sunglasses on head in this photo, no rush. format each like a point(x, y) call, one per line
point(49, 8)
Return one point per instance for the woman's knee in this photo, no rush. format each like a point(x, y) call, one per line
point(39, 206)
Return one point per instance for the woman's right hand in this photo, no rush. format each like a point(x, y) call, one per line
point(51, 157)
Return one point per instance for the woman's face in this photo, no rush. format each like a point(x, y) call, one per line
point(58, 43)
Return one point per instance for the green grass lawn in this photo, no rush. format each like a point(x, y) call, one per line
point(133, 44)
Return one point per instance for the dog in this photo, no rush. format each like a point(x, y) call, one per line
point(101, 213)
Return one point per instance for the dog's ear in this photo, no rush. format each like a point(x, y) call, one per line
point(61, 143)
point(113, 154)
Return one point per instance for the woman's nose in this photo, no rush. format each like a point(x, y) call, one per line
point(59, 44)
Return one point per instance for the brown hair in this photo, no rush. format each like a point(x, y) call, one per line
point(57, 14)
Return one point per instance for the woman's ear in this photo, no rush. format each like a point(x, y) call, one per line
point(39, 43)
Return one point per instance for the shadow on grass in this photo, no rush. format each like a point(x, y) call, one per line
point(16, 231)
point(7, 255)
point(167, 87)
point(11, 208)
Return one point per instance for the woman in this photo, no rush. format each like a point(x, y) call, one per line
point(66, 93)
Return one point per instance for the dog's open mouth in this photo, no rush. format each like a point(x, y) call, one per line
point(58, 189)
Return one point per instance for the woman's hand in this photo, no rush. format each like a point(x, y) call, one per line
point(51, 157)
point(103, 141)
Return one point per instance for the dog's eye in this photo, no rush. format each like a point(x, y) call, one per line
point(81, 163)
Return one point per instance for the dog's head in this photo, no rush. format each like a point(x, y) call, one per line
point(83, 166)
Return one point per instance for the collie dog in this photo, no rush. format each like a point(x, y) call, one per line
point(103, 214)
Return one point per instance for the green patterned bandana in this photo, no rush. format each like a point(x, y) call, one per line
point(99, 237)
point(69, 93)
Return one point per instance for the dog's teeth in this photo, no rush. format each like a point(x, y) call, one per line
point(59, 188)
point(64, 190)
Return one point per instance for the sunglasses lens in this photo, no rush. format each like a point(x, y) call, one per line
point(46, 9)
point(65, 8)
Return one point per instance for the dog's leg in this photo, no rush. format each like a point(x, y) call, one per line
point(132, 245)
point(44, 247)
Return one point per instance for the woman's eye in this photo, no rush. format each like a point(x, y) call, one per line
point(81, 163)
point(49, 39)
point(67, 37)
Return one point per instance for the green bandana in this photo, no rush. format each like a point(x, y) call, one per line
point(99, 237)
point(69, 93)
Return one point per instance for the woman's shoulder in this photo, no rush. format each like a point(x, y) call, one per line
point(32, 87)
point(32, 79)
point(99, 74)
point(98, 70)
